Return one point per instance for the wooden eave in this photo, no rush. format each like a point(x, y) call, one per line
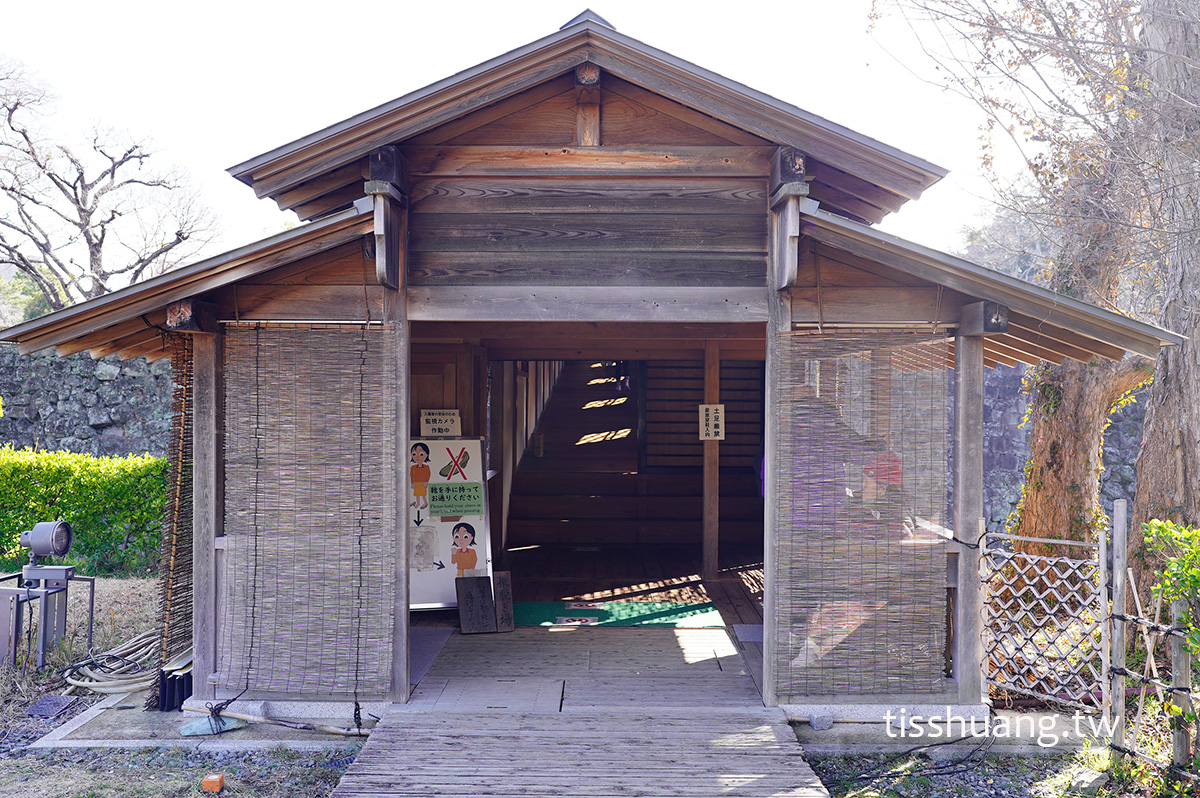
point(125, 321)
point(868, 177)
point(1042, 324)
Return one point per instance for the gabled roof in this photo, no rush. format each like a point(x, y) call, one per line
point(110, 318)
point(1043, 316)
point(845, 166)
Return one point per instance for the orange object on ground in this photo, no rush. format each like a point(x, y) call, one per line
point(213, 782)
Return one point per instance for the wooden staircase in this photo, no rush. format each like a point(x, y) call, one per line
point(586, 487)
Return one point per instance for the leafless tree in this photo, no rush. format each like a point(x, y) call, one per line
point(82, 221)
point(1101, 98)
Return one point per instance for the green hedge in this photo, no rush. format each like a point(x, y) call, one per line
point(114, 504)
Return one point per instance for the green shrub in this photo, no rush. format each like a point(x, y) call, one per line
point(114, 504)
point(1180, 577)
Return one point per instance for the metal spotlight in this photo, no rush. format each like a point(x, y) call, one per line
point(47, 539)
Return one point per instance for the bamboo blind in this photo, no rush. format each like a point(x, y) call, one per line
point(173, 622)
point(862, 469)
point(307, 595)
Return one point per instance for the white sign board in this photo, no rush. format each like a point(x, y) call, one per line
point(712, 422)
point(440, 423)
point(447, 519)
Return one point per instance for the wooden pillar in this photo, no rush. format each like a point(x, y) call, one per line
point(508, 389)
point(1181, 678)
point(968, 509)
point(787, 188)
point(208, 504)
point(712, 464)
point(1120, 543)
point(389, 190)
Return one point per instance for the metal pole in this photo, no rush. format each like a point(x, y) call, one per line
point(1181, 676)
point(1119, 547)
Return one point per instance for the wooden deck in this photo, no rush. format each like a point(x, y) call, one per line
point(584, 711)
point(638, 573)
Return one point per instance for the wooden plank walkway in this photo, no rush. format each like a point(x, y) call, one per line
point(584, 711)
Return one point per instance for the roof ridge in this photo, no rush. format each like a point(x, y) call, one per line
point(588, 15)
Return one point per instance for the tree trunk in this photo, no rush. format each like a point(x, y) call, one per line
point(1168, 468)
point(1069, 409)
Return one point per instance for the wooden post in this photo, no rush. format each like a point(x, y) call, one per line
point(1181, 676)
point(587, 105)
point(208, 505)
point(508, 467)
point(782, 243)
point(389, 192)
point(1120, 535)
point(968, 509)
point(712, 465)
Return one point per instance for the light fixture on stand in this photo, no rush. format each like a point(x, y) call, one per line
point(46, 582)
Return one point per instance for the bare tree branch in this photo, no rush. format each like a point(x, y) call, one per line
point(82, 221)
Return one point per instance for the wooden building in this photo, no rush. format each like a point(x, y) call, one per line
point(589, 197)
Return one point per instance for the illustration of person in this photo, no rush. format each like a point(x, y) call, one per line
point(418, 474)
point(460, 552)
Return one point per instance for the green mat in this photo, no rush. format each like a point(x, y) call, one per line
point(693, 615)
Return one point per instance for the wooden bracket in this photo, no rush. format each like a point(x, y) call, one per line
point(983, 318)
point(192, 316)
point(788, 178)
point(388, 188)
point(388, 164)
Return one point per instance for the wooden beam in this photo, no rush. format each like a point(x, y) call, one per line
point(158, 344)
point(870, 305)
point(844, 183)
point(208, 505)
point(1050, 335)
point(1042, 347)
point(1021, 350)
point(134, 339)
point(1017, 350)
point(606, 351)
point(507, 161)
point(104, 336)
point(712, 465)
point(525, 331)
point(585, 303)
point(350, 174)
point(351, 303)
point(968, 510)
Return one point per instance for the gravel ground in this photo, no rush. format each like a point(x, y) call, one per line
point(128, 773)
point(20, 730)
point(983, 775)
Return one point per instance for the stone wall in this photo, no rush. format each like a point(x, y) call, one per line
point(104, 407)
point(1006, 448)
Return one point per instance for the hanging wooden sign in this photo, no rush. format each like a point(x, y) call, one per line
point(441, 423)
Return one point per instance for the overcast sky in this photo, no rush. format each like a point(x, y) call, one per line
point(213, 84)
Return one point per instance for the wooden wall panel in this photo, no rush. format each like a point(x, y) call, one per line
point(551, 122)
point(674, 390)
